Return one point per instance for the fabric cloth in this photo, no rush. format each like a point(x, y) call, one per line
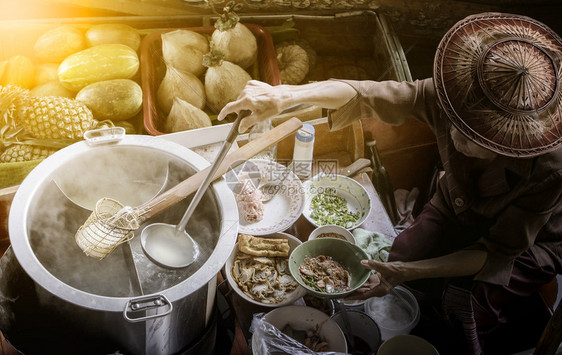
point(376, 245)
point(519, 201)
point(405, 203)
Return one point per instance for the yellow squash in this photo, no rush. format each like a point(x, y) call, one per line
point(58, 43)
point(116, 100)
point(98, 63)
point(113, 33)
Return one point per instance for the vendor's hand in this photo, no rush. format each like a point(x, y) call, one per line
point(263, 100)
point(387, 277)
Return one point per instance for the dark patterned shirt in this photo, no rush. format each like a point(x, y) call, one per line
point(520, 198)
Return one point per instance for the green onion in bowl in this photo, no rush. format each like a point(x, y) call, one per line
point(335, 199)
point(332, 209)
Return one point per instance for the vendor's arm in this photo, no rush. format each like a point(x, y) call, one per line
point(265, 101)
point(391, 274)
point(348, 100)
point(391, 102)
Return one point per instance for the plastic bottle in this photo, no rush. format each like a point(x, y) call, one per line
point(256, 131)
point(302, 153)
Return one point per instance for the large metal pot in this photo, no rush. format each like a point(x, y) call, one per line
point(124, 302)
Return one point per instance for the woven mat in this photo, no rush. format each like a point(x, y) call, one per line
point(13, 173)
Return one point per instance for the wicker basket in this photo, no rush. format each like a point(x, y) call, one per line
point(97, 237)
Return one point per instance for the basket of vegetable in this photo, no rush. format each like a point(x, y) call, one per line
point(63, 80)
point(189, 74)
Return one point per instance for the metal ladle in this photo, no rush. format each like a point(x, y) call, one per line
point(171, 246)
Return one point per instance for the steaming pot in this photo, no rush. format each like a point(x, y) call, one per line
point(124, 302)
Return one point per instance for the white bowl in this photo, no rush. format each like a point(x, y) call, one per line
point(395, 313)
point(307, 318)
point(350, 190)
point(332, 228)
point(291, 296)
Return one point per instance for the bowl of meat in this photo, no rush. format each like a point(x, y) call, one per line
point(306, 325)
point(329, 267)
point(258, 270)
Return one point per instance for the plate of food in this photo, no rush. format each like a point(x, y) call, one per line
point(258, 216)
point(258, 270)
point(329, 267)
point(335, 199)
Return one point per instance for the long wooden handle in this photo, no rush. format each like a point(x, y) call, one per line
point(232, 160)
point(354, 167)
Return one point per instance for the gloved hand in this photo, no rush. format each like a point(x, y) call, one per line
point(261, 99)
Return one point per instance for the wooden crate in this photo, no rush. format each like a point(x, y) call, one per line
point(408, 152)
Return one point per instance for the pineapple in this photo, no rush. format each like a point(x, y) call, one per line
point(25, 152)
point(48, 117)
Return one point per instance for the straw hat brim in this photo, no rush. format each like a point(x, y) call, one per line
point(497, 79)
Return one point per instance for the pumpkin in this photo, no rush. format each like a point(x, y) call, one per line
point(293, 63)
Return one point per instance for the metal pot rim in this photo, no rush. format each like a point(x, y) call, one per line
point(33, 267)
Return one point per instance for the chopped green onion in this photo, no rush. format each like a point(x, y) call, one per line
point(332, 209)
point(311, 282)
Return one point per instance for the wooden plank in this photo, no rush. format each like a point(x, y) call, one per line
point(18, 37)
point(136, 7)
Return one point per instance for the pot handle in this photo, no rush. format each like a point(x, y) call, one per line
point(146, 303)
point(101, 136)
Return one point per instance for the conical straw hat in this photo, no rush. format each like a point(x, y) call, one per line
point(497, 77)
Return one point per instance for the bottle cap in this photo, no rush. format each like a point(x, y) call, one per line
point(305, 133)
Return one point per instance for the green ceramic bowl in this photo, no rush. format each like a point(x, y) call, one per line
point(347, 254)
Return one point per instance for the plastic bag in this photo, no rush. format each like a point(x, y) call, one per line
point(268, 340)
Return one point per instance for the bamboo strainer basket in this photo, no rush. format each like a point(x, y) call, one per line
point(109, 225)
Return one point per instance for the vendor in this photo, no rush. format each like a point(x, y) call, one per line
point(493, 230)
